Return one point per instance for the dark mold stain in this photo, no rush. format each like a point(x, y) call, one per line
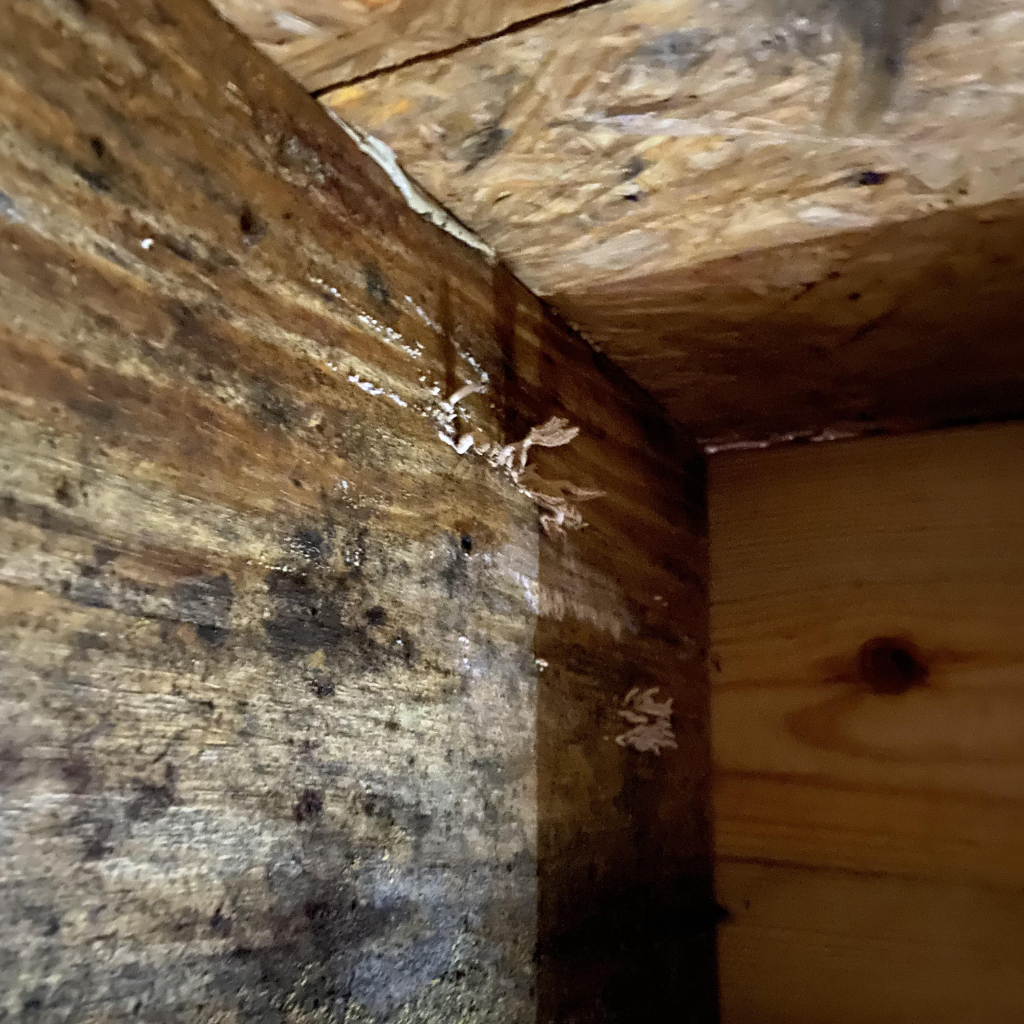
point(94, 179)
point(98, 147)
point(77, 773)
point(220, 925)
point(320, 930)
point(305, 619)
point(635, 166)
point(376, 286)
point(891, 666)
point(677, 51)
point(455, 574)
point(310, 805)
point(376, 616)
point(12, 766)
point(310, 544)
point(871, 178)
point(483, 144)
point(65, 495)
point(213, 635)
point(253, 227)
point(96, 835)
point(308, 616)
point(321, 686)
point(206, 603)
point(152, 801)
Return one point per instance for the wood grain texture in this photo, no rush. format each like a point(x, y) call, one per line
point(775, 217)
point(275, 743)
point(324, 44)
point(868, 714)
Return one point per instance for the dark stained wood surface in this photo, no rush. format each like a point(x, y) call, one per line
point(292, 694)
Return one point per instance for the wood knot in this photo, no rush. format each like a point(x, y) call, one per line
point(891, 665)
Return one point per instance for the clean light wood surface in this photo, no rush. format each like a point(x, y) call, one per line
point(870, 806)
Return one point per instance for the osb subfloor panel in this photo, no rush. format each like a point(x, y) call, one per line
point(747, 205)
point(324, 42)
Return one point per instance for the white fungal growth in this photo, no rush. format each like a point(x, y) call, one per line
point(650, 722)
point(364, 385)
point(461, 446)
point(288, 22)
point(414, 196)
point(464, 392)
point(556, 499)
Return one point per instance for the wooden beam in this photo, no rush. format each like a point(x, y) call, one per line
point(868, 715)
point(305, 715)
point(775, 217)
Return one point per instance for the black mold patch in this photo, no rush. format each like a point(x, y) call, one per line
point(206, 603)
point(77, 774)
point(309, 806)
point(220, 925)
point(310, 545)
point(152, 801)
point(871, 178)
point(484, 144)
point(252, 226)
point(319, 927)
point(376, 616)
point(376, 286)
point(308, 617)
point(635, 166)
point(455, 574)
point(94, 179)
point(677, 51)
point(213, 635)
point(305, 618)
point(65, 495)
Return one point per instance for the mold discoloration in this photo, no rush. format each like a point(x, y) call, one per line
point(309, 806)
point(484, 144)
point(376, 286)
point(272, 745)
point(676, 51)
point(455, 573)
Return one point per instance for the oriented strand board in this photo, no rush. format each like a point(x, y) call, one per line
point(775, 217)
point(868, 717)
point(324, 44)
point(303, 715)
